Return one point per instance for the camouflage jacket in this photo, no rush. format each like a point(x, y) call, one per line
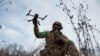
point(54, 49)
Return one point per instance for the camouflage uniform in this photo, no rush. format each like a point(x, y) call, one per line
point(52, 48)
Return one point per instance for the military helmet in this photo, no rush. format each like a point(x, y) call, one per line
point(58, 23)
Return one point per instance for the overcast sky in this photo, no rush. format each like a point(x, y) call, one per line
point(16, 29)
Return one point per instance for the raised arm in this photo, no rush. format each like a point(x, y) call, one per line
point(36, 31)
point(39, 34)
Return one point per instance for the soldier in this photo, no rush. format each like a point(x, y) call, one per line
point(57, 44)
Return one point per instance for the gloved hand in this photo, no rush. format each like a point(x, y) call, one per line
point(35, 21)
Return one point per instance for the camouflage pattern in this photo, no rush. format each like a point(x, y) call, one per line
point(53, 49)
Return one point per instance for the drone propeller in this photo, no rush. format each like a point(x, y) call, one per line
point(28, 12)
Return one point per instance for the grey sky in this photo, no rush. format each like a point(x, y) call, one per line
point(17, 30)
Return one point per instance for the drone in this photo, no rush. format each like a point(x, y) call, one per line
point(35, 16)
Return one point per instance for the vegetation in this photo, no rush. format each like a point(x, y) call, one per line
point(17, 50)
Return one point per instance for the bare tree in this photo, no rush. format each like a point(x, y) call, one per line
point(81, 25)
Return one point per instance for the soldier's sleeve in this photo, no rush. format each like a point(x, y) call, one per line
point(39, 34)
point(72, 50)
point(70, 47)
point(43, 34)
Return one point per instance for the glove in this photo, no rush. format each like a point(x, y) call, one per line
point(35, 21)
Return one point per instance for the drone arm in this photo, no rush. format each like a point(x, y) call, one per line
point(30, 20)
point(43, 17)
